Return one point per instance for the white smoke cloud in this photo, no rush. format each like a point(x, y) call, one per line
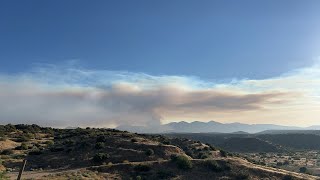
point(65, 96)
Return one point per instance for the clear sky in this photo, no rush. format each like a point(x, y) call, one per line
point(165, 60)
point(210, 39)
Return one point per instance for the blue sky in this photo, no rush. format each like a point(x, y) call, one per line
point(209, 39)
point(110, 63)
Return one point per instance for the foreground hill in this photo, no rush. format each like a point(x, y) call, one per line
point(113, 154)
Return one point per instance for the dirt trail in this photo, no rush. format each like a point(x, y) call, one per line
point(40, 174)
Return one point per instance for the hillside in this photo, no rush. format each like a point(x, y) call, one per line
point(113, 154)
point(315, 132)
point(261, 142)
point(249, 145)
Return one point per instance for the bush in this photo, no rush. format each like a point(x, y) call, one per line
point(7, 152)
point(69, 142)
point(56, 149)
point(84, 145)
point(23, 146)
point(18, 156)
point(288, 177)
point(35, 152)
point(134, 140)
point(166, 142)
point(279, 163)
point(223, 153)
point(142, 168)
point(37, 145)
point(100, 157)
point(242, 176)
point(9, 128)
point(49, 143)
point(149, 152)
point(303, 170)
point(165, 174)
point(69, 150)
point(101, 139)
point(23, 139)
point(202, 156)
point(173, 157)
point(3, 175)
point(99, 145)
point(183, 162)
point(215, 166)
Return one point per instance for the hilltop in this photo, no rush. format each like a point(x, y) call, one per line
point(112, 154)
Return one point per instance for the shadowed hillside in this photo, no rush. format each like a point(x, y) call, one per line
point(112, 154)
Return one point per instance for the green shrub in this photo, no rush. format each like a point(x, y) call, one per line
point(19, 156)
point(69, 150)
point(142, 168)
point(223, 153)
point(49, 143)
point(212, 165)
point(202, 156)
point(211, 147)
point(134, 140)
point(279, 163)
point(101, 139)
point(173, 157)
point(149, 152)
point(7, 152)
point(23, 146)
point(241, 176)
point(162, 174)
point(99, 145)
point(56, 149)
point(166, 142)
point(3, 175)
point(38, 145)
point(100, 157)
point(69, 142)
point(288, 177)
point(9, 128)
point(84, 145)
point(183, 162)
point(35, 152)
point(23, 139)
point(303, 170)
point(215, 166)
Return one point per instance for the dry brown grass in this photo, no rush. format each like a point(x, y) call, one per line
point(8, 144)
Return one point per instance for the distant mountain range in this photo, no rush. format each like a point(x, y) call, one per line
point(211, 127)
